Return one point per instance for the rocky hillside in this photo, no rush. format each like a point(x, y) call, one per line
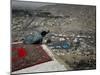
point(56, 18)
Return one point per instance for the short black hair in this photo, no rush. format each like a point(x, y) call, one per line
point(43, 33)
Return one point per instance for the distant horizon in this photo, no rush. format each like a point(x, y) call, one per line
point(20, 4)
point(27, 4)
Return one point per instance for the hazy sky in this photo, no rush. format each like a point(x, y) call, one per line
point(28, 4)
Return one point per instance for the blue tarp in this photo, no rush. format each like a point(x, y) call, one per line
point(60, 45)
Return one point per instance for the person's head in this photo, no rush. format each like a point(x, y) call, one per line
point(43, 33)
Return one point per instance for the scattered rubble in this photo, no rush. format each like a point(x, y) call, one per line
point(72, 34)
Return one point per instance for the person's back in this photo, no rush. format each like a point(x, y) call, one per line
point(35, 38)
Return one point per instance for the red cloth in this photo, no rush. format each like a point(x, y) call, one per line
point(24, 56)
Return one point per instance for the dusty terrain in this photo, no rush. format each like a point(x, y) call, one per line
point(64, 21)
